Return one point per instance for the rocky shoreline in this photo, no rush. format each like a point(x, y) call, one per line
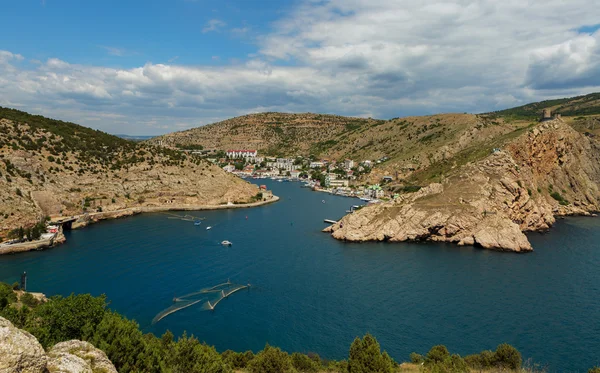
point(549, 171)
point(88, 219)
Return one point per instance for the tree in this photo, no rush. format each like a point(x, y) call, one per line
point(270, 360)
point(366, 357)
point(507, 357)
point(303, 363)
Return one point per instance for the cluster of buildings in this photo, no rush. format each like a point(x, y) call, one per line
point(329, 175)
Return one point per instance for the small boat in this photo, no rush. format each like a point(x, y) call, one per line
point(197, 222)
point(323, 201)
point(208, 228)
point(226, 243)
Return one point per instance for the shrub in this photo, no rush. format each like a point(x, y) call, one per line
point(483, 360)
point(508, 357)
point(437, 353)
point(237, 360)
point(303, 363)
point(270, 360)
point(365, 356)
point(594, 370)
point(416, 358)
point(29, 300)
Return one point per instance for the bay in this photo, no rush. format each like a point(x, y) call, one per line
point(311, 293)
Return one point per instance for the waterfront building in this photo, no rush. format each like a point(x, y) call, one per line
point(316, 164)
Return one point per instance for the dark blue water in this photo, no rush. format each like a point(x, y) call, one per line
point(314, 294)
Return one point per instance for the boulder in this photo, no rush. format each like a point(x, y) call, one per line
point(78, 357)
point(19, 350)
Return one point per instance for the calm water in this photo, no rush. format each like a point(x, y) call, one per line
point(314, 294)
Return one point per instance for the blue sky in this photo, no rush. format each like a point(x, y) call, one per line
point(130, 33)
point(150, 67)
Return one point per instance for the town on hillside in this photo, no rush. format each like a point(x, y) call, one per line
point(340, 177)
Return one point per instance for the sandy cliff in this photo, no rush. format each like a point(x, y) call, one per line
point(549, 170)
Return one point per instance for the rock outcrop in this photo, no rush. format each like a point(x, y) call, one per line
point(550, 170)
point(20, 352)
point(77, 356)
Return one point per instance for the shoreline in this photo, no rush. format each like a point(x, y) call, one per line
point(587, 214)
point(84, 220)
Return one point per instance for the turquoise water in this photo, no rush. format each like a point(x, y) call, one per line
point(311, 293)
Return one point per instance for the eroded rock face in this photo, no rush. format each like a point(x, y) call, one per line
point(492, 202)
point(77, 356)
point(19, 350)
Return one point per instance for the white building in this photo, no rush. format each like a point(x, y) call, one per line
point(234, 154)
point(229, 168)
point(348, 164)
point(367, 163)
point(316, 164)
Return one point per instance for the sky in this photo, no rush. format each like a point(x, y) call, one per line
point(156, 66)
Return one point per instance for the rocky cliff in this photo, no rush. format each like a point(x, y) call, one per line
point(20, 352)
point(549, 170)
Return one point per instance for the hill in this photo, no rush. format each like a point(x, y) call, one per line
point(572, 106)
point(270, 133)
point(536, 174)
point(51, 167)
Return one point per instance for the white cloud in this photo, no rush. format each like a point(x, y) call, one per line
point(380, 58)
point(213, 25)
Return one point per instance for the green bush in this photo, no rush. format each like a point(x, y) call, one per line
point(303, 363)
point(29, 300)
point(365, 357)
point(416, 358)
point(507, 357)
point(7, 295)
point(271, 360)
point(437, 354)
point(483, 360)
point(237, 360)
point(594, 370)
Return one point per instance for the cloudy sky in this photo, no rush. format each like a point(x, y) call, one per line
point(149, 67)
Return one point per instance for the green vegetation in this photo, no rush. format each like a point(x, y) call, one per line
point(29, 233)
point(573, 106)
point(76, 148)
point(88, 318)
point(557, 196)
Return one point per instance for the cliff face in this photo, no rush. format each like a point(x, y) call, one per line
point(549, 170)
point(21, 352)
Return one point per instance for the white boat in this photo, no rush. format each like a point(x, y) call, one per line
point(208, 228)
point(366, 199)
point(226, 243)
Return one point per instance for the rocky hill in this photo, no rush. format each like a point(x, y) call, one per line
point(550, 169)
point(50, 167)
point(270, 133)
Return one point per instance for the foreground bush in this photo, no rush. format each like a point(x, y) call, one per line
point(271, 360)
point(366, 357)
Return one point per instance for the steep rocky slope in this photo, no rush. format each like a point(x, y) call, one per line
point(21, 352)
point(549, 170)
point(50, 167)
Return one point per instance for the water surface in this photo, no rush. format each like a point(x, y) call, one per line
point(311, 293)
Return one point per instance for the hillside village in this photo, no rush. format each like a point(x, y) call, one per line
point(341, 177)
